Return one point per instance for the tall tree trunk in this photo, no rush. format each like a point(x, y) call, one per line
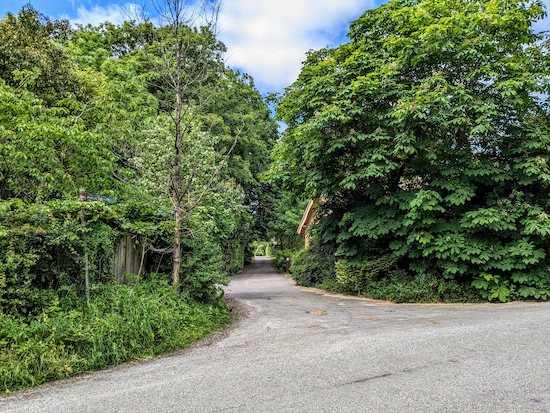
point(176, 257)
point(183, 70)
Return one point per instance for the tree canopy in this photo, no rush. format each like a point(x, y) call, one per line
point(87, 107)
point(428, 136)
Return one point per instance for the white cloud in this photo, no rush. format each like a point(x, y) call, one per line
point(268, 39)
point(113, 13)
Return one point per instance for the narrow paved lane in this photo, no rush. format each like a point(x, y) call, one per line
point(301, 351)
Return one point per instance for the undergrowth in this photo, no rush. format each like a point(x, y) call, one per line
point(379, 278)
point(313, 265)
point(399, 287)
point(119, 323)
point(282, 256)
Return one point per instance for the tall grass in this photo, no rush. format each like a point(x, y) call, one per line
point(120, 323)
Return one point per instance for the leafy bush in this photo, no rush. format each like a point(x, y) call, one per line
point(202, 270)
point(399, 286)
point(42, 248)
point(314, 265)
point(491, 286)
point(120, 323)
point(380, 278)
point(359, 277)
point(42, 245)
point(280, 258)
point(248, 254)
point(233, 257)
point(336, 286)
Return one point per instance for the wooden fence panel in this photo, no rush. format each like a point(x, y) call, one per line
point(128, 256)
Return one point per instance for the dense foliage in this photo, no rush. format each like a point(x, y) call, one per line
point(359, 277)
point(42, 247)
point(314, 265)
point(284, 217)
point(283, 259)
point(428, 136)
point(100, 124)
point(48, 132)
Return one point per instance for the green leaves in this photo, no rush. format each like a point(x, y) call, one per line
point(426, 137)
point(490, 287)
point(527, 292)
point(47, 152)
point(33, 59)
point(94, 108)
point(358, 278)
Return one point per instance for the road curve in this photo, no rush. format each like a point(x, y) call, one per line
point(301, 351)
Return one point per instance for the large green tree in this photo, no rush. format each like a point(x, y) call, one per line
point(54, 118)
point(428, 135)
point(31, 55)
point(220, 102)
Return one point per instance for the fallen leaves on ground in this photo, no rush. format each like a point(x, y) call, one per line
point(427, 322)
point(317, 312)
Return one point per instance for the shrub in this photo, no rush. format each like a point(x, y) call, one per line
point(336, 286)
point(314, 265)
point(359, 277)
point(280, 258)
point(202, 270)
point(402, 287)
point(248, 255)
point(233, 257)
point(42, 248)
point(42, 245)
point(380, 278)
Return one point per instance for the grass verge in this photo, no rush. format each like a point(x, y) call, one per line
point(120, 323)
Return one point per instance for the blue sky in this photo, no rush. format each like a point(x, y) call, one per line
point(267, 39)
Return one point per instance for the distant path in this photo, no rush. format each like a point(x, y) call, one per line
point(361, 356)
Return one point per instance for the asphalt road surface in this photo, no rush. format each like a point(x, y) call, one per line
point(303, 351)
